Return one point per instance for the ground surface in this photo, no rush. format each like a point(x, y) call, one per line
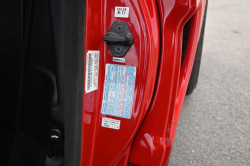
point(214, 126)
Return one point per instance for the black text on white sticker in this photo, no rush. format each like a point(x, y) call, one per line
point(111, 123)
point(122, 60)
point(92, 70)
point(122, 12)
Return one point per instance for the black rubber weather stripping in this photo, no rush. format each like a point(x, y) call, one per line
point(68, 18)
point(185, 39)
point(74, 79)
point(25, 14)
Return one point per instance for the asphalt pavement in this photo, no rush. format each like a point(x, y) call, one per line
point(214, 126)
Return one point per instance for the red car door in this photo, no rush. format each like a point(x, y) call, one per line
point(108, 133)
point(132, 118)
point(95, 82)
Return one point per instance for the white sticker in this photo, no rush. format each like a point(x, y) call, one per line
point(122, 12)
point(111, 123)
point(122, 60)
point(92, 69)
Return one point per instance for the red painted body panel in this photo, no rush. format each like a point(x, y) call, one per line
point(157, 99)
point(154, 140)
point(104, 146)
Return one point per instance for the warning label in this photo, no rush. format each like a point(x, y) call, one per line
point(111, 123)
point(92, 69)
point(118, 90)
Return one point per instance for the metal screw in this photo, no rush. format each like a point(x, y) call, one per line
point(118, 49)
point(119, 28)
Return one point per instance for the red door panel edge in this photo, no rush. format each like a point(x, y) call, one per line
point(110, 147)
point(186, 68)
point(154, 140)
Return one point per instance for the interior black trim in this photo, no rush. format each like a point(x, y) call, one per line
point(68, 18)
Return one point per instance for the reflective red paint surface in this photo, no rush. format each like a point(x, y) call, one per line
point(105, 146)
point(154, 140)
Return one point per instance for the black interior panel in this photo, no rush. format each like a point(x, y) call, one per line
point(10, 66)
point(10, 63)
point(42, 50)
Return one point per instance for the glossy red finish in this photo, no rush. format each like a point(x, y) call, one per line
point(154, 140)
point(110, 147)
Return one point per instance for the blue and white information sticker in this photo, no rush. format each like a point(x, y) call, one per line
point(119, 89)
